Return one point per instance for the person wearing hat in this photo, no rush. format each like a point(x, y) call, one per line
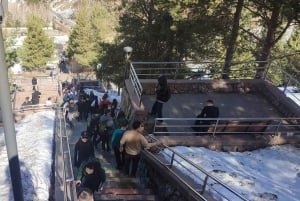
point(83, 149)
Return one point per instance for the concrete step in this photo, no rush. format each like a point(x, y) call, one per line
point(118, 186)
point(111, 197)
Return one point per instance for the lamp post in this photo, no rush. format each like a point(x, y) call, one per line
point(99, 69)
point(128, 51)
point(8, 119)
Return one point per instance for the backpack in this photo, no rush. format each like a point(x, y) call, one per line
point(102, 127)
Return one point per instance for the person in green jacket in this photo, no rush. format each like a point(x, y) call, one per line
point(115, 141)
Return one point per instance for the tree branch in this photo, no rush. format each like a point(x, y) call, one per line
point(252, 34)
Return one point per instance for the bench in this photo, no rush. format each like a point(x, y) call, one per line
point(240, 127)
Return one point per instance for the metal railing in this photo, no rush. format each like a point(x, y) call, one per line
point(184, 126)
point(195, 70)
point(138, 89)
point(69, 189)
point(35, 107)
point(285, 82)
point(201, 181)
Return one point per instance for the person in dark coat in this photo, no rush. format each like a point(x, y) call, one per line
point(35, 97)
point(93, 103)
point(85, 108)
point(34, 83)
point(209, 111)
point(163, 94)
point(83, 149)
point(90, 175)
point(80, 104)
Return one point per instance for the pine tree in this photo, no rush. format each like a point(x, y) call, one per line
point(10, 52)
point(37, 48)
point(82, 43)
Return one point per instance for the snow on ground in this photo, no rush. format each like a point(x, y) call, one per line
point(34, 140)
point(292, 93)
point(270, 174)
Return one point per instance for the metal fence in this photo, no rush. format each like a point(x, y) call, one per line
point(201, 182)
point(65, 168)
point(264, 126)
point(196, 70)
point(135, 81)
point(285, 82)
point(199, 70)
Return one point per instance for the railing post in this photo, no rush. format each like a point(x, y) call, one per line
point(140, 101)
point(172, 160)
point(204, 185)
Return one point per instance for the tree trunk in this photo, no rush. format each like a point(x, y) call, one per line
point(269, 42)
point(232, 41)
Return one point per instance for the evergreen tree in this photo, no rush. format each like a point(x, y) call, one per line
point(232, 40)
point(276, 16)
point(82, 43)
point(37, 48)
point(10, 52)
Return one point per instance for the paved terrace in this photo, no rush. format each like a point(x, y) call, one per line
point(235, 99)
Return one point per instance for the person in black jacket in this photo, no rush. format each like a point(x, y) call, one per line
point(90, 175)
point(163, 94)
point(209, 111)
point(83, 149)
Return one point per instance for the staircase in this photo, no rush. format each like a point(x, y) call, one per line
point(119, 187)
point(47, 87)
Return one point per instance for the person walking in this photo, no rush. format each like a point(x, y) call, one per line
point(163, 94)
point(115, 142)
point(134, 141)
point(35, 96)
point(34, 83)
point(70, 112)
point(106, 127)
point(83, 149)
point(90, 175)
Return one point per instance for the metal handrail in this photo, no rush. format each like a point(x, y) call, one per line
point(204, 70)
point(199, 70)
point(287, 80)
point(35, 107)
point(173, 164)
point(136, 84)
point(67, 168)
point(289, 126)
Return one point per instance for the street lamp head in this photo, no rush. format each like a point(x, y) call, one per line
point(99, 66)
point(128, 49)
